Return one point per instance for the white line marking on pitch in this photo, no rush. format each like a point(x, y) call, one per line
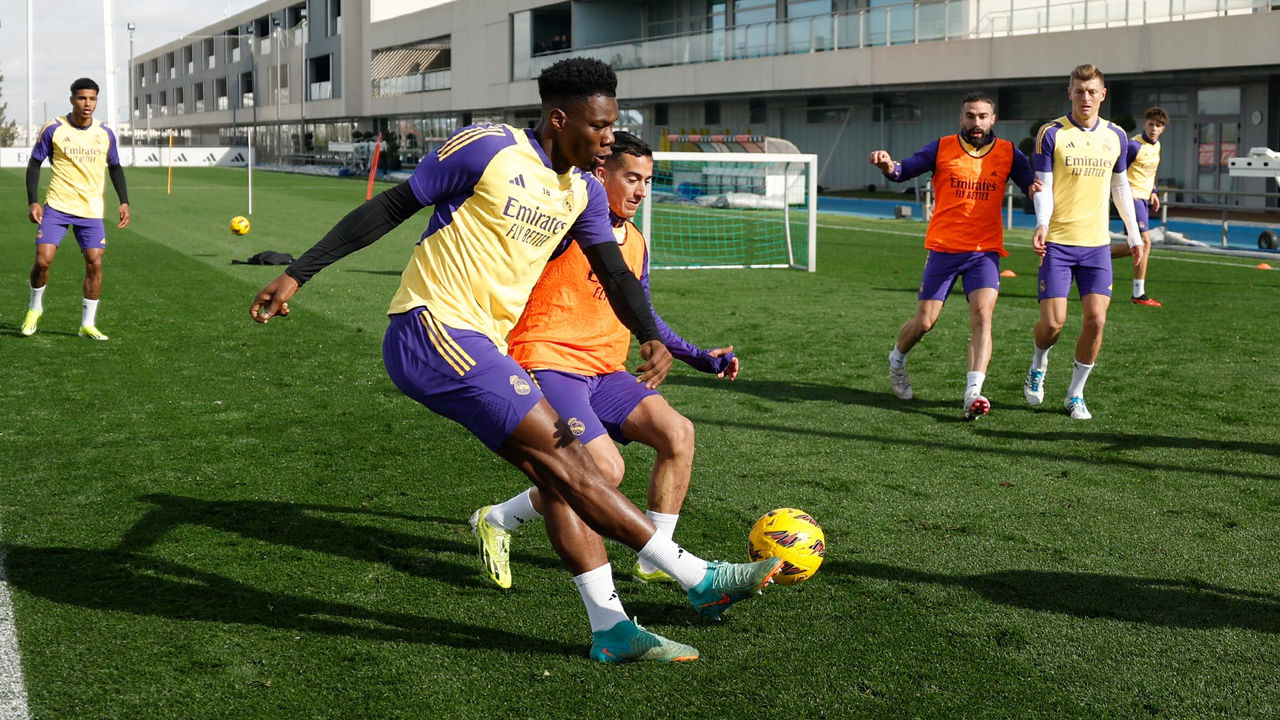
point(13, 694)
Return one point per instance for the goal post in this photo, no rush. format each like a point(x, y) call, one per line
point(732, 210)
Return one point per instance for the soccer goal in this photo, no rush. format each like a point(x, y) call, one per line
point(732, 210)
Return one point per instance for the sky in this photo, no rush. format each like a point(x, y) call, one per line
point(69, 43)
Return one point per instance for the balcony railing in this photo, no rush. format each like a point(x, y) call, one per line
point(405, 84)
point(901, 24)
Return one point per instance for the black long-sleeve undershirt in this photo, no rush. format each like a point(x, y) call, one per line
point(379, 216)
point(33, 182)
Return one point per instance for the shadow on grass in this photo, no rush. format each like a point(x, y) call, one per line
point(795, 392)
point(116, 581)
point(1121, 441)
point(1151, 601)
point(1029, 448)
point(314, 528)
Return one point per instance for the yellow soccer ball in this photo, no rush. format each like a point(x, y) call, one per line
point(239, 225)
point(792, 535)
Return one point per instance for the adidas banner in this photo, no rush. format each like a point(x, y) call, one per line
point(152, 156)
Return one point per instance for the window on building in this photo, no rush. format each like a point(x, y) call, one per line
point(746, 12)
point(661, 114)
point(246, 89)
point(210, 61)
point(808, 8)
point(821, 109)
point(197, 97)
point(1218, 101)
point(757, 111)
point(711, 112)
point(164, 102)
point(220, 93)
point(320, 78)
point(233, 45)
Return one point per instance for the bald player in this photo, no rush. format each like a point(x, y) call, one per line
point(965, 238)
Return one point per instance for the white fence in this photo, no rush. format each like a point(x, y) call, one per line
point(153, 156)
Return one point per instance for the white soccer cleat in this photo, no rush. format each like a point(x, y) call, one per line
point(1076, 407)
point(91, 332)
point(900, 382)
point(975, 407)
point(1033, 388)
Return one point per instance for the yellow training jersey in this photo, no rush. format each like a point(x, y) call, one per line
point(1144, 159)
point(500, 210)
point(79, 157)
point(1082, 161)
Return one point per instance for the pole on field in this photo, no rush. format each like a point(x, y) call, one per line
point(109, 37)
point(373, 167)
point(169, 187)
point(250, 169)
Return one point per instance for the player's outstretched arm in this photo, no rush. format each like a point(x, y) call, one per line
point(360, 228)
point(883, 160)
point(730, 371)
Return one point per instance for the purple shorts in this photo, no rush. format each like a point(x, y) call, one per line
point(978, 269)
point(1142, 211)
point(459, 374)
point(593, 405)
point(1090, 267)
point(89, 232)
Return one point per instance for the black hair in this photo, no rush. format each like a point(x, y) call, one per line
point(624, 143)
point(83, 84)
point(979, 96)
point(576, 78)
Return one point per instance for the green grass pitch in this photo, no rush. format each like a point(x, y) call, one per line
point(207, 518)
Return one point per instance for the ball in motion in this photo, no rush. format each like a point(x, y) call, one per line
point(792, 535)
point(239, 225)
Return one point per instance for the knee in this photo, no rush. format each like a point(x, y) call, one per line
point(678, 437)
point(93, 265)
point(612, 468)
point(1095, 322)
point(925, 322)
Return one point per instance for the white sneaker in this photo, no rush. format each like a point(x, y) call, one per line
point(1075, 406)
point(900, 382)
point(1033, 388)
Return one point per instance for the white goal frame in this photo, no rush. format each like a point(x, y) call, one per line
point(788, 160)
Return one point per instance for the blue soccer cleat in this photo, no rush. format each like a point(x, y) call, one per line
point(728, 583)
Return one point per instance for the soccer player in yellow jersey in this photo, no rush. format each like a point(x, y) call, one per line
point(576, 349)
point(1144, 160)
point(1080, 162)
point(80, 149)
point(503, 200)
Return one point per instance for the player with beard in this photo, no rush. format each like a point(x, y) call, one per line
point(965, 237)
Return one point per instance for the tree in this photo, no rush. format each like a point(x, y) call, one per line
point(9, 129)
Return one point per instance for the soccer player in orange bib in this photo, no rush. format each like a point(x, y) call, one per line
point(81, 150)
point(1080, 161)
point(965, 238)
point(504, 199)
point(576, 349)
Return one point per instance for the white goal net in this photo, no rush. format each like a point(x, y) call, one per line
point(732, 210)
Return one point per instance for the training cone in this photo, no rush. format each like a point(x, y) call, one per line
point(1008, 273)
point(1264, 266)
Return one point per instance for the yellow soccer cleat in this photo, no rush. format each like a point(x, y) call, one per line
point(31, 322)
point(657, 576)
point(91, 332)
point(495, 546)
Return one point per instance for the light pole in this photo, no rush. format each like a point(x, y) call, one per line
point(279, 50)
point(132, 127)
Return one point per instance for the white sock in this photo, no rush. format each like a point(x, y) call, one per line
point(973, 384)
point(513, 513)
point(685, 567)
point(604, 607)
point(1040, 358)
point(666, 524)
point(89, 313)
point(897, 358)
point(37, 298)
point(1079, 375)
point(1139, 287)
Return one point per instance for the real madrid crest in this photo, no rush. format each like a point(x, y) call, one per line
point(519, 385)
point(568, 201)
point(576, 426)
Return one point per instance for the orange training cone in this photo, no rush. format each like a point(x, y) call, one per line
point(1264, 266)
point(1008, 273)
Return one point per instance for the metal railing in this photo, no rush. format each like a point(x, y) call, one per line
point(1225, 208)
point(900, 24)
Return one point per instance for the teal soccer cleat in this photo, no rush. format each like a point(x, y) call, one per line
point(628, 642)
point(728, 583)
